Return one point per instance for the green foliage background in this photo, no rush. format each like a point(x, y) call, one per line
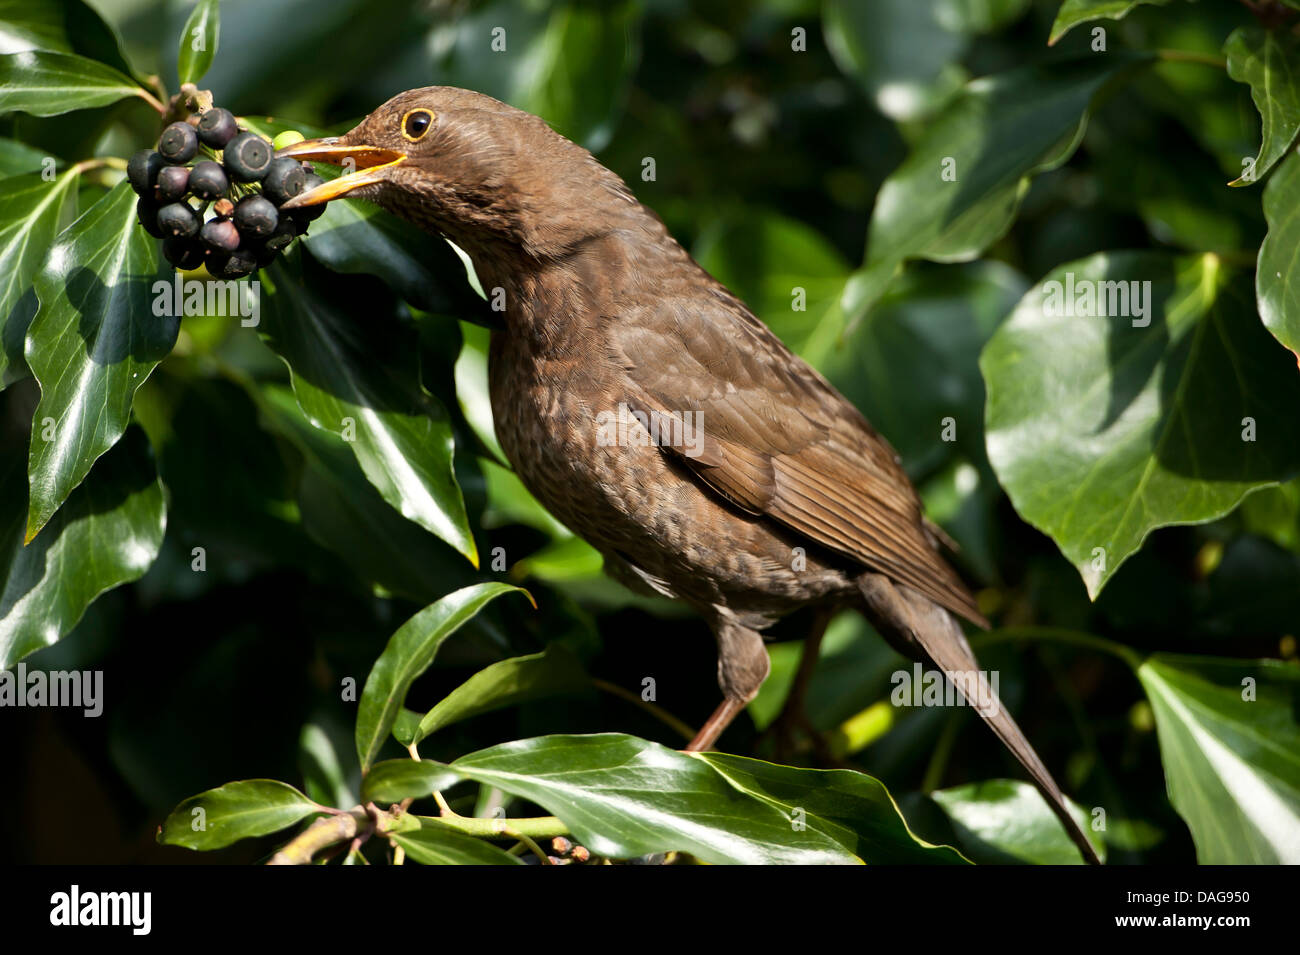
point(1123, 496)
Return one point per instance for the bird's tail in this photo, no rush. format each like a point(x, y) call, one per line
point(915, 621)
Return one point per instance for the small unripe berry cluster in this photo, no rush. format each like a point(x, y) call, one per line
point(213, 193)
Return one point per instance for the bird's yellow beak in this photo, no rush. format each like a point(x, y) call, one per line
point(365, 165)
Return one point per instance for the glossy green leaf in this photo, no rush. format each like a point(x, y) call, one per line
point(17, 158)
point(345, 513)
point(409, 652)
point(94, 340)
point(1006, 820)
point(904, 54)
point(1230, 745)
point(108, 533)
point(199, 41)
point(433, 844)
point(555, 671)
point(393, 780)
point(852, 808)
point(31, 214)
point(1101, 431)
point(60, 26)
point(239, 810)
point(568, 62)
point(929, 327)
point(46, 84)
point(785, 271)
point(1074, 12)
point(1277, 277)
point(356, 373)
point(959, 189)
point(1269, 61)
point(623, 797)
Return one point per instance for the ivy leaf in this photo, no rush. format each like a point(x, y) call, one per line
point(47, 84)
point(239, 810)
point(435, 844)
point(199, 42)
point(107, 534)
point(569, 62)
point(95, 339)
point(852, 808)
point(1230, 743)
point(360, 380)
point(31, 213)
point(1101, 431)
point(960, 187)
point(60, 26)
point(409, 652)
point(1269, 61)
point(396, 779)
point(1074, 12)
point(1277, 277)
point(553, 672)
point(1006, 820)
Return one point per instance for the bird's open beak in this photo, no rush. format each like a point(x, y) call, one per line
point(368, 161)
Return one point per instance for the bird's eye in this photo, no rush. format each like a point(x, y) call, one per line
point(416, 123)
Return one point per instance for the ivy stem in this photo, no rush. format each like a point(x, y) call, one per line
point(1191, 56)
point(658, 712)
point(152, 100)
point(1061, 635)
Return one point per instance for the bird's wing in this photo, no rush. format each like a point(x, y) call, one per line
point(775, 438)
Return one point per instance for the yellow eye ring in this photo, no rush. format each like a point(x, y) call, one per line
point(416, 123)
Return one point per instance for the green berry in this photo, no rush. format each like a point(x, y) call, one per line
point(287, 138)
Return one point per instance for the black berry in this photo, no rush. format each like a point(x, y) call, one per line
point(217, 127)
point(284, 233)
point(208, 180)
point(310, 213)
point(256, 217)
point(220, 234)
point(185, 254)
point(146, 210)
point(178, 220)
point(231, 265)
point(173, 183)
point(142, 171)
point(179, 143)
point(284, 180)
point(247, 157)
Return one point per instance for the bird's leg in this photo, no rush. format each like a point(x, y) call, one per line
point(743, 665)
point(793, 714)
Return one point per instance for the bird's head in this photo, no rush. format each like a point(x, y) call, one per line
point(487, 175)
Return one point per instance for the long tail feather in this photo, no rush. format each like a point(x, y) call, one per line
point(915, 620)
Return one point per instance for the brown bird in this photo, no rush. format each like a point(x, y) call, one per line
point(649, 410)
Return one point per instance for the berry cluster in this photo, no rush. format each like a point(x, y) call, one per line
point(223, 210)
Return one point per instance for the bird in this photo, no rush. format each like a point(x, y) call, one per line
point(648, 409)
